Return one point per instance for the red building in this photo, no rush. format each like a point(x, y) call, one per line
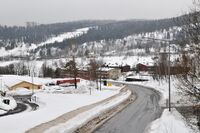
point(70, 81)
point(141, 67)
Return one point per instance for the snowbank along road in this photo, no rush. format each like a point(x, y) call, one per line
point(136, 117)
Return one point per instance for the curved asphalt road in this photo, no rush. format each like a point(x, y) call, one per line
point(21, 107)
point(136, 117)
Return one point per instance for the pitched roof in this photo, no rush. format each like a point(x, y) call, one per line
point(11, 80)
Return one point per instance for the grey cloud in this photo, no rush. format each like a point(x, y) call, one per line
point(17, 12)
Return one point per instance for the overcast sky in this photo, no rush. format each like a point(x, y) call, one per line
point(17, 12)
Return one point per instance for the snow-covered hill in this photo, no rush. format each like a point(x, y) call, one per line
point(24, 49)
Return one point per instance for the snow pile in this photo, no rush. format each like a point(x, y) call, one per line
point(20, 91)
point(12, 103)
point(82, 87)
point(65, 90)
point(169, 123)
point(2, 111)
point(85, 117)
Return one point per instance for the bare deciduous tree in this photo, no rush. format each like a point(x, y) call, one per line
point(94, 72)
point(190, 24)
point(93, 68)
point(72, 69)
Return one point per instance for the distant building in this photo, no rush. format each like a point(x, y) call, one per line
point(67, 81)
point(123, 68)
point(109, 73)
point(83, 73)
point(141, 67)
point(103, 72)
point(13, 82)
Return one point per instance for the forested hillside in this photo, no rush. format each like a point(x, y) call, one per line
point(38, 33)
point(35, 38)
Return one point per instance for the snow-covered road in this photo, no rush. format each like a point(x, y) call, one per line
point(136, 117)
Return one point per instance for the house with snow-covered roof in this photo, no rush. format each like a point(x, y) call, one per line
point(13, 82)
point(103, 72)
point(109, 73)
point(27, 85)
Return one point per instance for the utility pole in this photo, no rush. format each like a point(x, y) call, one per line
point(1, 85)
point(169, 75)
point(168, 41)
point(100, 78)
point(32, 73)
point(32, 83)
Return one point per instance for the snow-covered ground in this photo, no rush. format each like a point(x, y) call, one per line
point(62, 37)
point(83, 118)
point(6, 63)
point(53, 105)
point(49, 99)
point(170, 122)
point(162, 86)
point(127, 60)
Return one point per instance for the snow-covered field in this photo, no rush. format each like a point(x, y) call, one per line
point(53, 105)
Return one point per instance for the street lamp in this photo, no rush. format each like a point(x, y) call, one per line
point(169, 77)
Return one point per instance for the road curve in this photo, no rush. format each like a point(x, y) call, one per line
point(136, 117)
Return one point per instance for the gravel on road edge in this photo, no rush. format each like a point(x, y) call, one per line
point(94, 124)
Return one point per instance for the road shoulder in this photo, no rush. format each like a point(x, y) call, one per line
point(70, 115)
